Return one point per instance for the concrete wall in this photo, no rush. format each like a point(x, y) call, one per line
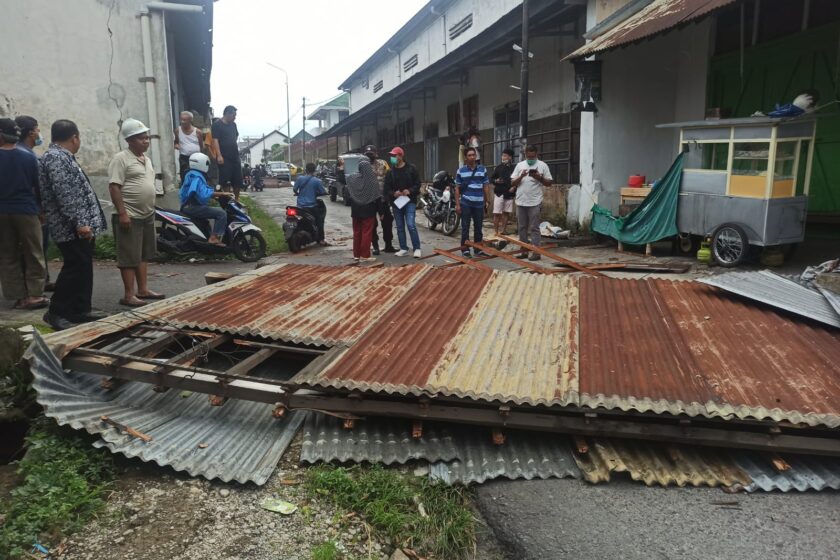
point(62, 68)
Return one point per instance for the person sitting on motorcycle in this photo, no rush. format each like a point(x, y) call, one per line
point(308, 189)
point(195, 196)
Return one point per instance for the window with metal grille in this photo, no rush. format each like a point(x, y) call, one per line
point(377, 86)
point(460, 27)
point(453, 118)
point(410, 63)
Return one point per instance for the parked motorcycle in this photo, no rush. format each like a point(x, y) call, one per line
point(301, 226)
point(439, 204)
point(179, 234)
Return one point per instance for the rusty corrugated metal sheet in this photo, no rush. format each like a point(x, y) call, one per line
point(474, 334)
point(686, 348)
point(303, 303)
point(660, 464)
point(659, 16)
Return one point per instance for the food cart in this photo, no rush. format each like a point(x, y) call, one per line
point(745, 182)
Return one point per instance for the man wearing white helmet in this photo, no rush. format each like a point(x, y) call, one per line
point(195, 196)
point(132, 187)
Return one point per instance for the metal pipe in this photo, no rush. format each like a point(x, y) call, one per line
point(149, 80)
point(167, 7)
point(523, 81)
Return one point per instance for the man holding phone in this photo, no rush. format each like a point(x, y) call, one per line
point(529, 178)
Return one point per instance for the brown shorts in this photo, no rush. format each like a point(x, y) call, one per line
point(137, 244)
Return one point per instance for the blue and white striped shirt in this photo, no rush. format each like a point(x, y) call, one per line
point(471, 183)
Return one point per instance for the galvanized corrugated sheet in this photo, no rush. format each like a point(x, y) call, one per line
point(685, 348)
point(243, 441)
point(805, 473)
point(832, 298)
point(523, 455)
point(483, 336)
point(777, 291)
point(657, 17)
point(664, 465)
point(374, 440)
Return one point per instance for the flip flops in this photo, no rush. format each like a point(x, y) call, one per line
point(39, 303)
point(152, 296)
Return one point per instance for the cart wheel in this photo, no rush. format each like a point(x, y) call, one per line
point(730, 245)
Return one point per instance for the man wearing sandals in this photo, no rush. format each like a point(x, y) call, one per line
point(20, 225)
point(132, 188)
point(74, 217)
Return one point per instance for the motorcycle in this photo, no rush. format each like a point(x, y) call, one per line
point(257, 181)
point(301, 226)
point(180, 234)
point(439, 204)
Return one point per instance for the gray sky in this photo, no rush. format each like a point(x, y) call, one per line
point(318, 42)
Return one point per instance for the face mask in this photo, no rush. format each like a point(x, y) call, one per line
point(393, 161)
point(39, 140)
point(531, 161)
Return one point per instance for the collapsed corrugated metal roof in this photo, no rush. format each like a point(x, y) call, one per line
point(657, 17)
point(685, 348)
point(777, 291)
point(239, 441)
point(486, 337)
point(302, 304)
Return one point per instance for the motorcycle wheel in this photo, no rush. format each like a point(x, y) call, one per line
point(450, 224)
point(431, 222)
point(249, 246)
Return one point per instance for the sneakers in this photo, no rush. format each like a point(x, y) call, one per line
point(390, 249)
point(480, 253)
point(466, 254)
point(534, 257)
point(401, 253)
point(417, 253)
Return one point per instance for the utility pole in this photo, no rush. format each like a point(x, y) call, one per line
point(523, 81)
point(303, 136)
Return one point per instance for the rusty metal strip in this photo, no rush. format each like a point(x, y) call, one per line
point(509, 258)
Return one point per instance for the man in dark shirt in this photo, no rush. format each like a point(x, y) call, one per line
point(20, 225)
point(225, 136)
point(402, 186)
point(503, 191)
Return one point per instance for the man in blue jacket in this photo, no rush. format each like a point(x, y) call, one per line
point(308, 189)
point(195, 197)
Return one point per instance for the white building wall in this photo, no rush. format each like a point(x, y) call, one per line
point(60, 69)
point(430, 45)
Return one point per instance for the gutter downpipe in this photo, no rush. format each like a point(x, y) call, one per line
point(150, 79)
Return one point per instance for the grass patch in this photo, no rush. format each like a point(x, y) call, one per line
point(16, 394)
point(105, 249)
point(325, 551)
point(274, 239)
point(64, 485)
point(431, 518)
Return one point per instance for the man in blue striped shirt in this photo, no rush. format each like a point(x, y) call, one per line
point(471, 195)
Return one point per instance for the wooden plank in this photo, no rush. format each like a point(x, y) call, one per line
point(244, 368)
point(130, 431)
point(509, 258)
point(550, 255)
point(215, 277)
point(463, 260)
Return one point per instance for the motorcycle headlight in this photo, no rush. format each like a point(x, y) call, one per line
point(446, 195)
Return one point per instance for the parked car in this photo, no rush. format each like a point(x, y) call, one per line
point(280, 170)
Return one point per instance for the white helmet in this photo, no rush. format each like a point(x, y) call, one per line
point(200, 162)
point(132, 127)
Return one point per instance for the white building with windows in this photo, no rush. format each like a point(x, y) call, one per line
point(255, 150)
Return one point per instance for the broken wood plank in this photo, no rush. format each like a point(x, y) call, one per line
point(130, 431)
point(550, 255)
point(216, 277)
point(780, 464)
point(463, 260)
point(509, 258)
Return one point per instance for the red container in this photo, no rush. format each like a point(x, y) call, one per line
point(636, 181)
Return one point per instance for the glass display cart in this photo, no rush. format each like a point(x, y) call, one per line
point(745, 182)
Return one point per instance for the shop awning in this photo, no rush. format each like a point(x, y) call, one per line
point(657, 17)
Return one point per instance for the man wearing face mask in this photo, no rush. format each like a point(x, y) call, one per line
point(503, 191)
point(529, 178)
point(404, 181)
point(30, 137)
point(75, 218)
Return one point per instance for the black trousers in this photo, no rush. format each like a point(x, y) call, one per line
point(386, 217)
point(74, 285)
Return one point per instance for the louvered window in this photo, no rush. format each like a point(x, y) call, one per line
point(460, 27)
point(377, 86)
point(410, 63)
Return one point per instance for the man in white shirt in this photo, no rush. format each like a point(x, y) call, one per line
point(529, 178)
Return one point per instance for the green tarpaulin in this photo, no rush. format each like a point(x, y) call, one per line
point(654, 219)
